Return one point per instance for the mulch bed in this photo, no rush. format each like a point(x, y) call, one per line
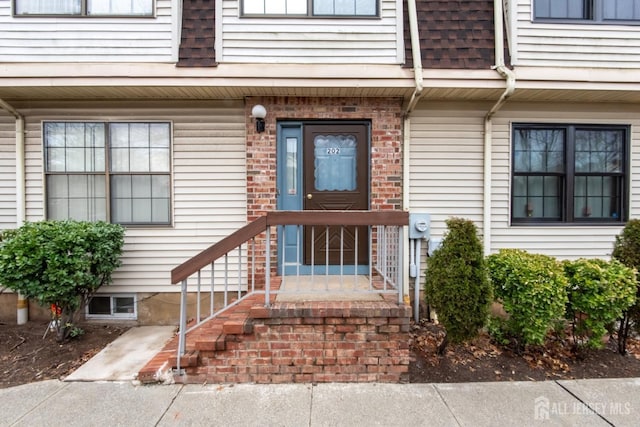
point(27, 355)
point(483, 360)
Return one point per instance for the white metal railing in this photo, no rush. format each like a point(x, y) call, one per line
point(381, 274)
point(231, 267)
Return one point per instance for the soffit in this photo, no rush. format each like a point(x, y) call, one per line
point(207, 93)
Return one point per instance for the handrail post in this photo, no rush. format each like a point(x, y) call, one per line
point(183, 324)
point(267, 273)
point(403, 287)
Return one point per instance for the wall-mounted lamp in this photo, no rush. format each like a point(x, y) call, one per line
point(258, 112)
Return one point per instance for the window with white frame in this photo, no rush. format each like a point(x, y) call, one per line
point(569, 173)
point(322, 8)
point(112, 306)
point(601, 11)
point(117, 172)
point(84, 7)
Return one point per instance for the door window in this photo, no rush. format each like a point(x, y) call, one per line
point(335, 167)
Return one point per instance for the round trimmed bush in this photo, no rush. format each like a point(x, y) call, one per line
point(532, 289)
point(60, 264)
point(626, 249)
point(599, 293)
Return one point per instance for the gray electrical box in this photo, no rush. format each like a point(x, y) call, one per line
point(419, 225)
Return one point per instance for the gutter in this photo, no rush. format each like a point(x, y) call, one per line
point(22, 305)
point(510, 77)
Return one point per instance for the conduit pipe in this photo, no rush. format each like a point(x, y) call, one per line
point(22, 308)
point(510, 77)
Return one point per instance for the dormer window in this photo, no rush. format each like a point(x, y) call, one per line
point(599, 11)
point(84, 7)
point(315, 8)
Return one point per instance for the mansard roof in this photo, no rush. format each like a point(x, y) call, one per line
point(453, 34)
point(198, 34)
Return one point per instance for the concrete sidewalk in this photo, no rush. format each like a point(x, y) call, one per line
point(579, 403)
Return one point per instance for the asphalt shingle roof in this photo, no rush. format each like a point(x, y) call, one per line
point(453, 34)
point(198, 34)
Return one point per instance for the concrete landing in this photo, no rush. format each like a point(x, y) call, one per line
point(326, 288)
point(123, 358)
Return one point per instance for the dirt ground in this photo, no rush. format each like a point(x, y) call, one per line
point(26, 357)
point(482, 360)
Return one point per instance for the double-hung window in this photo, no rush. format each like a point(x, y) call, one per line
point(322, 8)
point(601, 11)
point(569, 173)
point(84, 7)
point(118, 172)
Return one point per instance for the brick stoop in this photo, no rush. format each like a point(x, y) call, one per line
point(211, 336)
point(289, 342)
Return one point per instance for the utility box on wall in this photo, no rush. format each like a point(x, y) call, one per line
point(434, 244)
point(419, 225)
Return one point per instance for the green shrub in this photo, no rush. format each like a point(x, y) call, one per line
point(626, 249)
point(532, 289)
point(599, 293)
point(457, 284)
point(498, 330)
point(60, 264)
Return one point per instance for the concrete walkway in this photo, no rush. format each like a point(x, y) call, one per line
point(123, 358)
point(556, 403)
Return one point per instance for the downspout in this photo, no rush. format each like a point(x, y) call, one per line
point(510, 77)
point(177, 30)
point(415, 97)
point(416, 55)
point(22, 308)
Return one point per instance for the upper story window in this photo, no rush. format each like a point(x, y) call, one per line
point(84, 7)
point(321, 8)
point(588, 10)
point(118, 172)
point(569, 174)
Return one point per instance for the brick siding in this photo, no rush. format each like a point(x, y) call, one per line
point(385, 115)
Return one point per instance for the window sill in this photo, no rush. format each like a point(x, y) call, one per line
point(564, 21)
point(568, 224)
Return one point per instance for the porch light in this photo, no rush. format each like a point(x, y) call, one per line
point(258, 112)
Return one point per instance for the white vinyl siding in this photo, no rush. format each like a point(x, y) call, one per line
point(8, 210)
point(209, 184)
point(446, 163)
point(565, 44)
point(312, 40)
point(87, 39)
point(446, 173)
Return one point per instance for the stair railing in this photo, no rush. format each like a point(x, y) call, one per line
point(239, 256)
